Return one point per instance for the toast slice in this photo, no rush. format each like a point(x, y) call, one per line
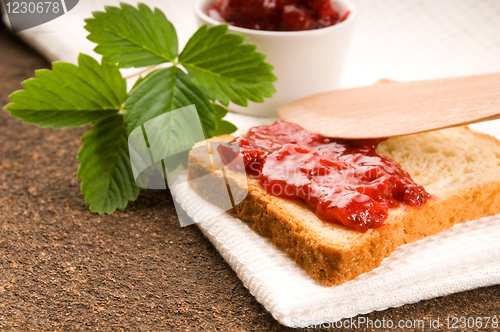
point(458, 167)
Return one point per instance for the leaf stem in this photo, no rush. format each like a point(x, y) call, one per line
point(141, 72)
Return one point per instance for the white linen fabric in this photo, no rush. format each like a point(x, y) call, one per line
point(400, 40)
point(461, 258)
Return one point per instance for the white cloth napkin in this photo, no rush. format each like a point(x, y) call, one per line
point(395, 39)
point(461, 258)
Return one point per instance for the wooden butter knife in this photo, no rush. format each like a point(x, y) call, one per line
point(395, 109)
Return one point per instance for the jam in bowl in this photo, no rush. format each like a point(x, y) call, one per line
point(277, 15)
point(305, 62)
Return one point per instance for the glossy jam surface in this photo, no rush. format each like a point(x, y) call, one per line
point(277, 15)
point(342, 181)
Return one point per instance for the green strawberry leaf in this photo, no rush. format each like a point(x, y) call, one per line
point(224, 128)
point(227, 69)
point(220, 111)
point(162, 91)
point(107, 179)
point(133, 37)
point(69, 95)
point(136, 84)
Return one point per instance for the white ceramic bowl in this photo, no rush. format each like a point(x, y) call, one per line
point(305, 62)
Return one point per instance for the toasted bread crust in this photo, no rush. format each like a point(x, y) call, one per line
point(332, 262)
point(332, 266)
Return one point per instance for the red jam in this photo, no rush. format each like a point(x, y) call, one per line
point(342, 181)
point(277, 15)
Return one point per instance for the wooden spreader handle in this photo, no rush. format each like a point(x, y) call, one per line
point(395, 109)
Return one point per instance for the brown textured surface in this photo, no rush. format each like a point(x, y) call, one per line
point(62, 268)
